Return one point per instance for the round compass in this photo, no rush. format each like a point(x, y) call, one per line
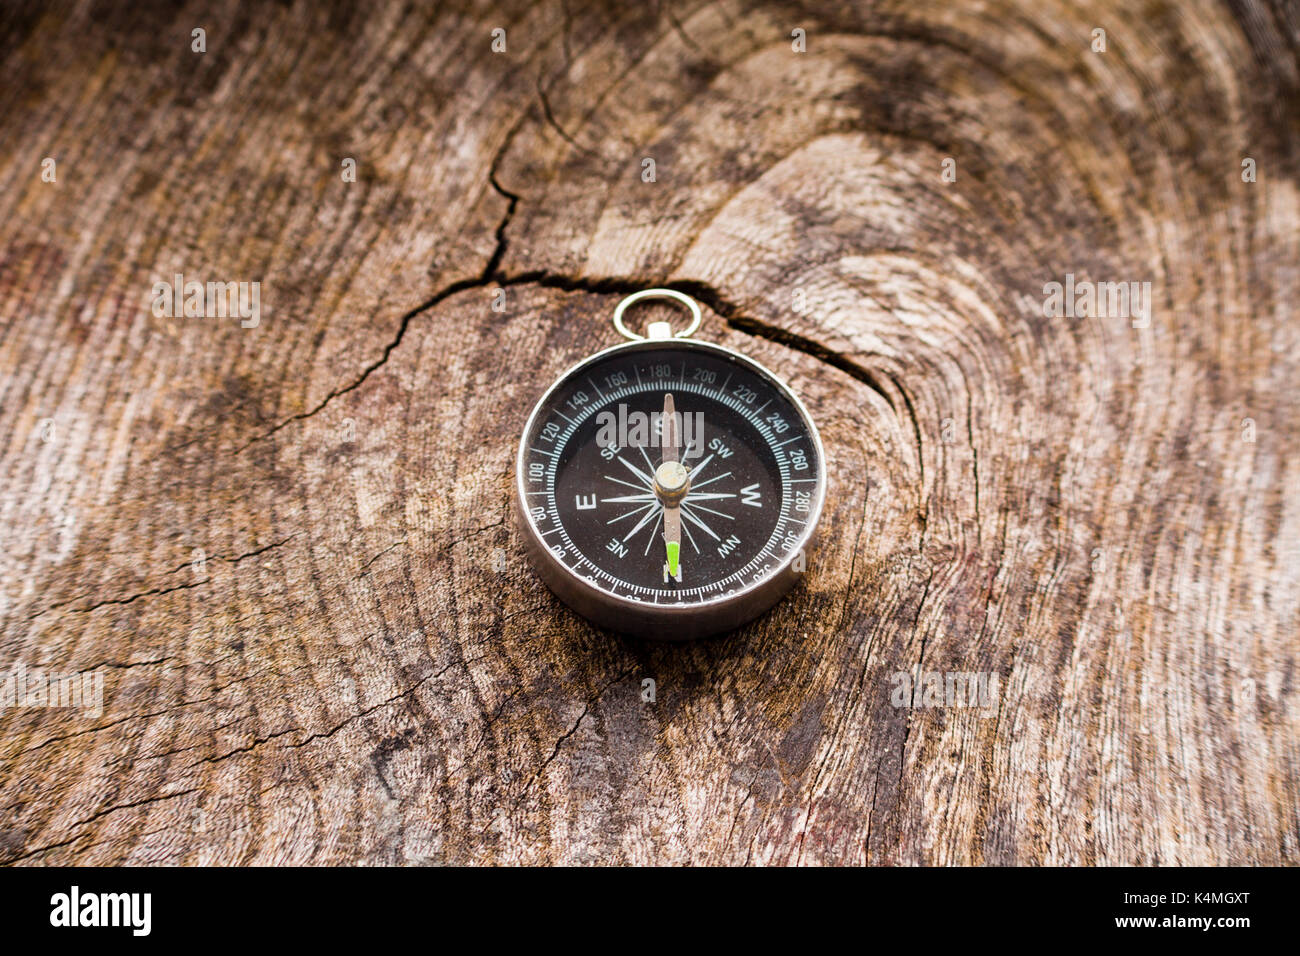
point(668, 487)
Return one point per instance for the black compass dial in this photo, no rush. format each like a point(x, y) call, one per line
point(671, 473)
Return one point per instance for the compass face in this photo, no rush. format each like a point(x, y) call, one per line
point(667, 478)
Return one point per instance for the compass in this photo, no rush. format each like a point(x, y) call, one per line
point(669, 487)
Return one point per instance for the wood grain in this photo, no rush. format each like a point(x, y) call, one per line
point(288, 550)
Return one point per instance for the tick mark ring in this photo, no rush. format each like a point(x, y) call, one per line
point(658, 330)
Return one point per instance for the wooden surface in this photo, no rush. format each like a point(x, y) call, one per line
point(361, 668)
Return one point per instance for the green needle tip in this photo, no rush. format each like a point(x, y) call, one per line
point(673, 549)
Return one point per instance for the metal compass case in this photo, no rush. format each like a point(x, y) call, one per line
point(668, 487)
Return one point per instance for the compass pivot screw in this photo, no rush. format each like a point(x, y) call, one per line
point(672, 482)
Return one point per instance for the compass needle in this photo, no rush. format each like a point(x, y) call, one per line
point(672, 481)
point(673, 543)
point(661, 453)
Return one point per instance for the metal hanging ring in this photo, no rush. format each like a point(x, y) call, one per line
point(680, 297)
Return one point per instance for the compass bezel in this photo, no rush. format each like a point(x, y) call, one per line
point(667, 621)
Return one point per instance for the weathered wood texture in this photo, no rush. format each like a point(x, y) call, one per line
point(362, 669)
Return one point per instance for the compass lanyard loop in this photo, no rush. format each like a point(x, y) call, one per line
point(658, 330)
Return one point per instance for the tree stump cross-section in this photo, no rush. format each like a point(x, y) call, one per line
point(1032, 267)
